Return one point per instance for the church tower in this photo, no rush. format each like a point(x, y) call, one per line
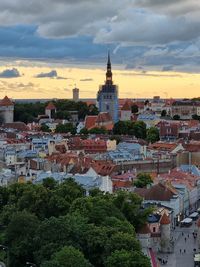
point(107, 96)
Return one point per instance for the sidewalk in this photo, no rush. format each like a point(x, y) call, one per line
point(183, 249)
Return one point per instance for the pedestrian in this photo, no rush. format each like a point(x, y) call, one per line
point(188, 235)
point(182, 233)
point(185, 239)
point(180, 250)
point(184, 250)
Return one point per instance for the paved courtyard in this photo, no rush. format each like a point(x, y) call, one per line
point(185, 244)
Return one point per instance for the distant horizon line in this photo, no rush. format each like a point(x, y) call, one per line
point(94, 99)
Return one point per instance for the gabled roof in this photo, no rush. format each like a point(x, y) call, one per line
point(163, 146)
point(20, 126)
point(6, 102)
point(103, 117)
point(90, 122)
point(50, 106)
point(159, 192)
point(126, 106)
point(165, 219)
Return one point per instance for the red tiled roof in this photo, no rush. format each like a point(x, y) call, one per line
point(192, 147)
point(176, 176)
point(109, 126)
point(121, 184)
point(6, 102)
point(126, 106)
point(103, 117)
point(165, 219)
point(90, 122)
point(158, 192)
point(163, 146)
point(104, 167)
point(50, 106)
point(20, 126)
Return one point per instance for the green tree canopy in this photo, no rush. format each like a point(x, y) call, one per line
point(126, 258)
point(153, 135)
point(138, 128)
point(65, 128)
point(176, 117)
point(45, 128)
point(97, 130)
point(195, 117)
point(163, 113)
point(143, 179)
point(40, 220)
point(67, 257)
point(19, 237)
point(134, 108)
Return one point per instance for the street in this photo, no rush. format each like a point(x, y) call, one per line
point(185, 244)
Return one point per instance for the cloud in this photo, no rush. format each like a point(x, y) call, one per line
point(52, 74)
point(10, 73)
point(19, 87)
point(167, 68)
point(86, 80)
point(149, 74)
point(152, 34)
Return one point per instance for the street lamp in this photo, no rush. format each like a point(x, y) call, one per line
point(31, 264)
point(5, 248)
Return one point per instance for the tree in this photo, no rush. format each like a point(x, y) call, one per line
point(45, 128)
point(92, 110)
point(130, 205)
point(122, 241)
point(134, 108)
point(176, 117)
point(139, 129)
point(65, 128)
point(126, 258)
point(117, 138)
point(49, 183)
point(153, 135)
point(143, 179)
point(163, 113)
point(195, 117)
point(84, 131)
point(68, 256)
point(62, 115)
point(97, 130)
point(19, 237)
point(42, 219)
point(121, 127)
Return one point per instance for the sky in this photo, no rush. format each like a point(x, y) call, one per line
point(48, 47)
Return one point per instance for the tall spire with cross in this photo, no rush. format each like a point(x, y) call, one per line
point(109, 71)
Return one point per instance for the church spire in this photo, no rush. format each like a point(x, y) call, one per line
point(109, 72)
